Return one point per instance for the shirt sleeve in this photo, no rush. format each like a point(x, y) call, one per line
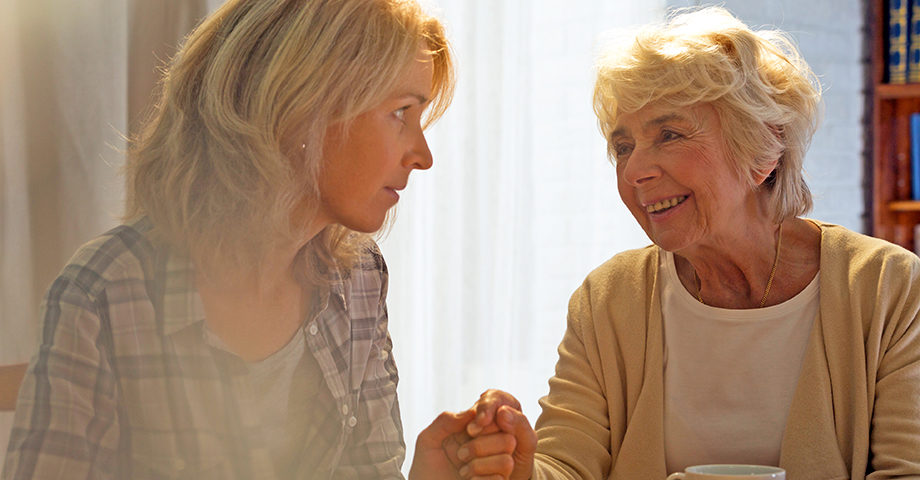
point(376, 448)
point(65, 424)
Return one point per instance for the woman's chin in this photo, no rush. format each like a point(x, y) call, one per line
point(671, 241)
point(365, 225)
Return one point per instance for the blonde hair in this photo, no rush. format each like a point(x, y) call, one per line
point(765, 94)
point(234, 146)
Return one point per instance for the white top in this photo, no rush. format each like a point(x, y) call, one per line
point(729, 375)
point(290, 372)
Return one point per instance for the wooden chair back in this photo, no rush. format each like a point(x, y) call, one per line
point(10, 379)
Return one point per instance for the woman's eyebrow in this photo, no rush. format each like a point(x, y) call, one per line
point(421, 98)
point(655, 122)
point(666, 118)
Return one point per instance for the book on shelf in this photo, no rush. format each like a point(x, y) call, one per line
point(898, 27)
point(917, 239)
point(915, 156)
point(913, 42)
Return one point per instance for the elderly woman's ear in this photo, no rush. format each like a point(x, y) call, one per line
point(762, 174)
point(767, 169)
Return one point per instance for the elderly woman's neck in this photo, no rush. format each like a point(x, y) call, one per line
point(758, 266)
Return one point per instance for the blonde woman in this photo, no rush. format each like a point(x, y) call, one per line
point(745, 333)
point(235, 326)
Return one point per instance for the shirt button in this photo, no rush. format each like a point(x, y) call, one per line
point(313, 329)
point(352, 421)
point(344, 409)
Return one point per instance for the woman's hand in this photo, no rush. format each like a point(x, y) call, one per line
point(491, 440)
point(498, 412)
point(436, 447)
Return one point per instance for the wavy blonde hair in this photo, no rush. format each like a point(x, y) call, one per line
point(766, 96)
point(234, 145)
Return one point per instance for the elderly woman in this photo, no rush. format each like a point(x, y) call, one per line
point(745, 334)
point(236, 325)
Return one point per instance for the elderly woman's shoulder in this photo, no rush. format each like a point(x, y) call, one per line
point(629, 264)
point(842, 244)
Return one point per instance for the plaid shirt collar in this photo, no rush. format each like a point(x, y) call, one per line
point(182, 306)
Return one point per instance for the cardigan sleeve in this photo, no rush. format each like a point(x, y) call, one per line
point(602, 417)
point(895, 425)
point(573, 432)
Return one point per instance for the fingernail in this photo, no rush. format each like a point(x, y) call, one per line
point(463, 453)
point(464, 470)
point(506, 416)
point(473, 429)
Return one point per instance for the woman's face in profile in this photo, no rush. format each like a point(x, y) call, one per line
point(674, 175)
point(368, 161)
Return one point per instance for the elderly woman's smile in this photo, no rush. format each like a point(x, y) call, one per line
point(662, 206)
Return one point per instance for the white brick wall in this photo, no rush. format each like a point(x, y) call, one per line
point(828, 33)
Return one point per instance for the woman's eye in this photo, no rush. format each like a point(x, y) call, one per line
point(668, 135)
point(621, 150)
point(401, 113)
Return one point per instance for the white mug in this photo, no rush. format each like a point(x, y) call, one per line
point(729, 472)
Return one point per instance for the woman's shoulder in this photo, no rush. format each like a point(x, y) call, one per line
point(633, 263)
point(366, 277)
point(840, 245)
point(853, 263)
point(369, 256)
point(123, 252)
point(628, 275)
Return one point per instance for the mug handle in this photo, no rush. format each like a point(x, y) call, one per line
point(677, 476)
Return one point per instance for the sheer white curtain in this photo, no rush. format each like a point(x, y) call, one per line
point(520, 205)
point(73, 75)
point(487, 246)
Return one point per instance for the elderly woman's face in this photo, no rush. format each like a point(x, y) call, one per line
point(674, 174)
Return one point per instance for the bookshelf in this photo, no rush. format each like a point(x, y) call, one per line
point(892, 214)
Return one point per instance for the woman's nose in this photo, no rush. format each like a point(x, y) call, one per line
point(419, 155)
point(640, 167)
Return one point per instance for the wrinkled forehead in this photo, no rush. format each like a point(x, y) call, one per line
point(657, 114)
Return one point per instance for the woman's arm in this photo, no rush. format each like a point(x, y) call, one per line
point(376, 448)
point(895, 433)
point(573, 430)
point(65, 424)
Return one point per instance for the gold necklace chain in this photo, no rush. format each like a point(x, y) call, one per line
point(763, 299)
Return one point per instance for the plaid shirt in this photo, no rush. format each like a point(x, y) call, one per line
point(125, 386)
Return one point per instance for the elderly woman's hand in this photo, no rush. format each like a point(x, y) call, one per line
point(498, 413)
point(493, 439)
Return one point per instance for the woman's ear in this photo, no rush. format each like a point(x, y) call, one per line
point(768, 169)
point(762, 174)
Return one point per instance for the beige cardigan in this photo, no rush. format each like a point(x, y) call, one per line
point(856, 409)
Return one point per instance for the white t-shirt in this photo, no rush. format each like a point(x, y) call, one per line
point(290, 373)
point(729, 375)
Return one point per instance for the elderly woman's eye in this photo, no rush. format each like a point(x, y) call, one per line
point(621, 150)
point(668, 135)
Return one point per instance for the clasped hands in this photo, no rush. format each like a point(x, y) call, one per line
point(491, 440)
